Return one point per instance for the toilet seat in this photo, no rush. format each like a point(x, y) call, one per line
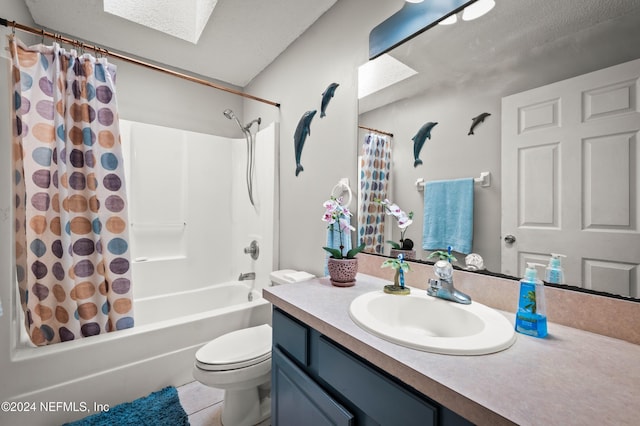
point(238, 349)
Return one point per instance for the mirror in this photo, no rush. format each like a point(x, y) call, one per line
point(464, 69)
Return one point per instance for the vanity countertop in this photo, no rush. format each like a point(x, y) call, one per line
point(572, 377)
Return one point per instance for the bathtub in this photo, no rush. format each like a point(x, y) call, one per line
point(108, 369)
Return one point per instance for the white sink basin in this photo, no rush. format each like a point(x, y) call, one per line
point(426, 323)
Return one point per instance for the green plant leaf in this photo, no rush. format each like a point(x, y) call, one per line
point(351, 253)
point(394, 245)
point(396, 264)
point(335, 253)
point(443, 255)
point(389, 262)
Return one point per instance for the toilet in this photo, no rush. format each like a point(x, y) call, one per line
point(240, 363)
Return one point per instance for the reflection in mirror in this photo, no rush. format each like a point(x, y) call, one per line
point(456, 72)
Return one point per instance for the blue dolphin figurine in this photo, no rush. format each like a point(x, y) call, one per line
point(302, 130)
point(326, 97)
point(418, 140)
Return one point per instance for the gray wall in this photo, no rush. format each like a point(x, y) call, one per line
point(16, 10)
point(153, 97)
point(330, 51)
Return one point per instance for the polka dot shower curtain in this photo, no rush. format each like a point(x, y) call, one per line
point(375, 166)
point(72, 247)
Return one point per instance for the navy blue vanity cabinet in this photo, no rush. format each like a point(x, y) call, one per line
point(315, 381)
point(298, 400)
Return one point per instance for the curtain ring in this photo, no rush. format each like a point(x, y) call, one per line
point(13, 28)
point(42, 34)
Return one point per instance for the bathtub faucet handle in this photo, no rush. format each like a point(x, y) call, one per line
point(253, 250)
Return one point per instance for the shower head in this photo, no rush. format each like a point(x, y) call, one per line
point(231, 116)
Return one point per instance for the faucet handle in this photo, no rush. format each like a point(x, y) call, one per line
point(253, 250)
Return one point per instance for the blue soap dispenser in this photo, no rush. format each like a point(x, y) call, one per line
point(554, 273)
point(531, 317)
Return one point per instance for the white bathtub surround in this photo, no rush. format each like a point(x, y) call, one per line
point(198, 227)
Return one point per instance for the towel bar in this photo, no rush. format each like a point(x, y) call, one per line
point(484, 180)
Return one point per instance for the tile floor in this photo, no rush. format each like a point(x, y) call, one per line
point(203, 404)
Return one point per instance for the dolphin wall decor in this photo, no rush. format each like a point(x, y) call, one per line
point(477, 120)
point(419, 139)
point(302, 131)
point(326, 97)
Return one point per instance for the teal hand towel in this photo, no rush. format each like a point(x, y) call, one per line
point(448, 215)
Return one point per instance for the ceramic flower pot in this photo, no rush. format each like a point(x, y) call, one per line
point(342, 272)
point(408, 254)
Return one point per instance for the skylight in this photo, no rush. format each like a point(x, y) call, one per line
point(381, 72)
point(184, 19)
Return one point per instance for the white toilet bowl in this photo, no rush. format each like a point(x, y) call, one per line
point(240, 363)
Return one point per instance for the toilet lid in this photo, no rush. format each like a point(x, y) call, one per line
point(238, 349)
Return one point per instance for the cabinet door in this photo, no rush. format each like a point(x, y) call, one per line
point(384, 401)
point(291, 337)
point(298, 400)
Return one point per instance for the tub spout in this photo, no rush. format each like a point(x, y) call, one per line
point(247, 276)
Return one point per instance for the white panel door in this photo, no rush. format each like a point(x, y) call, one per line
point(570, 178)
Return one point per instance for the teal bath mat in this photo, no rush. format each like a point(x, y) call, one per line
point(161, 408)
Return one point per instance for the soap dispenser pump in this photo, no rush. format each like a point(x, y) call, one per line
point(531, 317)
point(554, 273)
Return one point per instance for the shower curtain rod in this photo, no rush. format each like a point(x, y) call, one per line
point(376, 131)
point(81, 45)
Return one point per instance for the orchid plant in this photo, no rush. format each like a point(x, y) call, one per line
point(338, 215)
point(403, 219)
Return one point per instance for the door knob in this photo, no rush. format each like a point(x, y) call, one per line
point(509, 239)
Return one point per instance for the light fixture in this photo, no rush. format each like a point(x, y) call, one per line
point(477, 9)
point(417, 16)
point(471, 12)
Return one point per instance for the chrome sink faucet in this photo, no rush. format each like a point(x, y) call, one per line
point(443, 286)
point(247, 276)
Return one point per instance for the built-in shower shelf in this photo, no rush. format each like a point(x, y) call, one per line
point(144, 259)
point(158, 225)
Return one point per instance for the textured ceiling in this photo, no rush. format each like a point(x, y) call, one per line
point(240, 39)
point(184, 19)
point(551, 40)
